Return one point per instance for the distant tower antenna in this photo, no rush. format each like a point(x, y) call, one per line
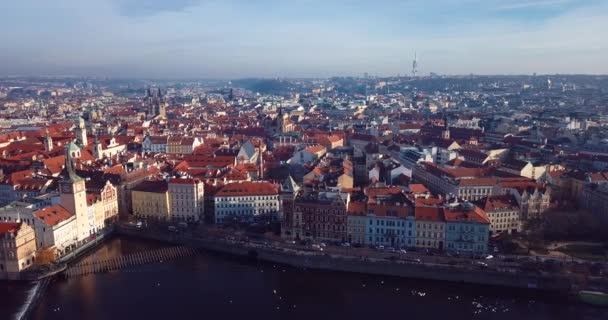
point(415, 65)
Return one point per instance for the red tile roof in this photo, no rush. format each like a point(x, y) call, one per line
point(429, 214)
point(459, 214)
point(418, 188)
point(9, 228)
point(246, 188)
point(53, 215)
point(184, 181)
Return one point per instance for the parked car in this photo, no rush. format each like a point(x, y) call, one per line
point(489, 257)
point(402, 251)
point(481, 264)
point(346, 244)
point(172, 229)
point(380, 247)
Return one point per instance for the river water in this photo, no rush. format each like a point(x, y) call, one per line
point(209, 286)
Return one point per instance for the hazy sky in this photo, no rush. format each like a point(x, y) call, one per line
point(300, 38)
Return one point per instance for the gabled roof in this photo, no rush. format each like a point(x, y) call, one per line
point(290, 186)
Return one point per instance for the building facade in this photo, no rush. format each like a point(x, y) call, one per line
point(245, 200)
point(17, 249)
point(150, 200)
point(186, 199)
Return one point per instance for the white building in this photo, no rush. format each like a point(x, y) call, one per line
point(156, 144)
point(57, 229)
point(307, 155)
point(54, 226)
point(504, 214)
point(246, 200)
point(186, 199)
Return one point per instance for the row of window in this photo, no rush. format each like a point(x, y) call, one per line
point(254, 198)
point(380, 222)
point(246, 205)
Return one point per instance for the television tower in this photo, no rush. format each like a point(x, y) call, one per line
point(415, 65)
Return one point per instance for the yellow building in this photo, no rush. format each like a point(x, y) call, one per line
point(150, 199)
point(17, 249)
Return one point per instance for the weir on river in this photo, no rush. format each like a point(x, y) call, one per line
point(139, 258)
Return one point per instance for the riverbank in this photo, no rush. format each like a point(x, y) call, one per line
point(44, 278)
point(221, 286)
point(404, 269)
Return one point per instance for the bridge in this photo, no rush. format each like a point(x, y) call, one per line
point(126, 261)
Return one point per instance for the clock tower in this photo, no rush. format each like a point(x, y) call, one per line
point(73, 195)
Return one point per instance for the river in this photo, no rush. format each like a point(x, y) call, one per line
point(210, 286)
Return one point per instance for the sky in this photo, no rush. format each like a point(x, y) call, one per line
point(227, 39)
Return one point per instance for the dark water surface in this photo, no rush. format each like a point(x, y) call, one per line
point(209, 286)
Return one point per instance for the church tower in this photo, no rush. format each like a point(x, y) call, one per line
point(97, 148)
point(446, 132)
point(48, 141)
point(81, 132)
point(73, 195)
point(280, 121)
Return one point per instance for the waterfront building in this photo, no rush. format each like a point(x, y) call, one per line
point(430, 227)
point(245, 200)
point(17, 248)
point(150, 200)
point(289, 190)
point(57, 229)
point(356, 223)
point(390, 217)
point(321, 216)
point(504, 214)
point(467, 228)
point(186, 199)
point(104, 205)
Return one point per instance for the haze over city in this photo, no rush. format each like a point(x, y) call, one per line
point(303, 159)
point(304, 38)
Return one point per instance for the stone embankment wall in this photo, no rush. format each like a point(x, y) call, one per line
point(370, 266)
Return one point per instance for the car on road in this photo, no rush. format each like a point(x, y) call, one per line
point(345, 244)
point(139, 224)
point(402, 251)
point(317, 247)
point(481, 264)
point(380, 247)
point(172, 229)
point(489, 257)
